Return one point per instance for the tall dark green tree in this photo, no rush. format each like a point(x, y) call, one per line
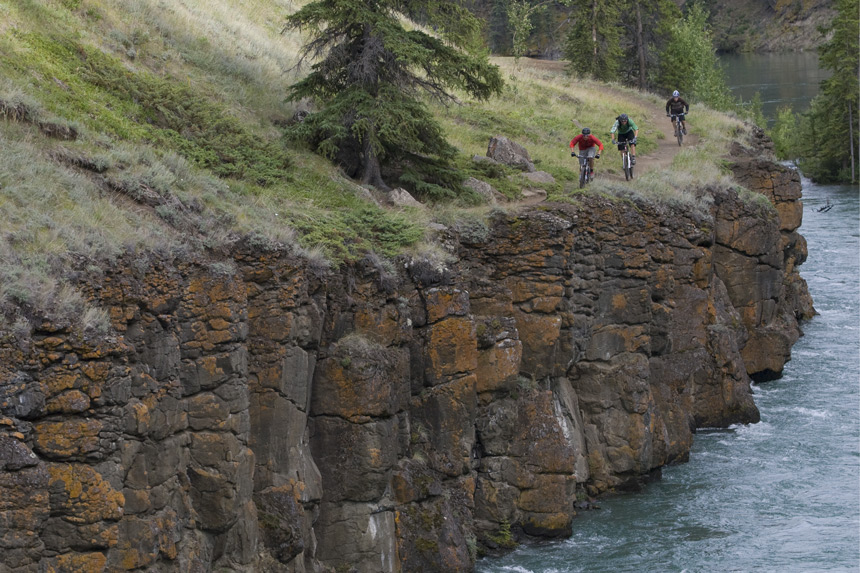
point(833, 122)
point(370, 75)
point(535, 23)
point(499, 28)
point(690, 64)
point(649, 28)
point(593, 46)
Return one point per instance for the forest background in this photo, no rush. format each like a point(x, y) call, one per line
point(661, 45)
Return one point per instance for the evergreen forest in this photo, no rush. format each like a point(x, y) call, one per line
point(372, 76)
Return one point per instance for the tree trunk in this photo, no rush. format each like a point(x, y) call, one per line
point(851, 139)
point(640, 46)
point(371, 173)
point(594, 37)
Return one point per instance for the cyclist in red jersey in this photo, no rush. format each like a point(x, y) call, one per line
point(589, 146)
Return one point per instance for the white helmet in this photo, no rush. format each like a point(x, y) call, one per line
point(675, 93)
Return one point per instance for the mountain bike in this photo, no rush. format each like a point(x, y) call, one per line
point(676, 121)
point(626, 164)
point(586, 174)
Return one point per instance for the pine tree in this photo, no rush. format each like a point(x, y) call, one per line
point(690, 64)
point(370, 75)
point(832, 121)
point(593, 47)
point(499, 29)
point(784, 133)
point(648, 33)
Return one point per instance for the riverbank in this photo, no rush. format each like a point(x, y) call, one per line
point(297, 415)
point(186, 385)
point(782, 494)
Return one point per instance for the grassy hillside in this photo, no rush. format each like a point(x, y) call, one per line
point(139, 126)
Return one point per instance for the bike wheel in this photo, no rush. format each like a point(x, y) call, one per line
point(679, 134)
point(625, 165)
point(583, 176)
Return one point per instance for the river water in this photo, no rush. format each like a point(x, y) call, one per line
point(782, 495)
point(781, 80)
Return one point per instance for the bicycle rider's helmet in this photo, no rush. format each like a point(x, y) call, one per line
point(586, 131)
point(676, 94)
point(622, 117)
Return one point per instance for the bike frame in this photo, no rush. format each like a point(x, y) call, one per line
point(583, 170)
point(676, 121)
point(626, 166)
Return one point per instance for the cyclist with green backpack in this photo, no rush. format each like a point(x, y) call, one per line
point(627, 131)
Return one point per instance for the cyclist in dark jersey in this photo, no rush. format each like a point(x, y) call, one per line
point(679, 107)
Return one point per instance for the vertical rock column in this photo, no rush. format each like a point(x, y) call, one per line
point(749, 260)
point(530, 446)
point(359, 431)
point(190, 468)
point(776, 330)
point(61, 498)
point(284, 330)
point(435, 485)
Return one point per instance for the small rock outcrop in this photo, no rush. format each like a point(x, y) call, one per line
point(289, 418)
point(769, 313)
point(400, 197)
point(485, 190)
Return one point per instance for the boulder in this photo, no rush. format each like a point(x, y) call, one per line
point(533, 195)
point(401, 198)
point(485, 190)
point(484, 159)
point(503, 150)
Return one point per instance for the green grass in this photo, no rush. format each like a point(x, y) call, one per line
point(175, 101)
point(176, 107)
point(543, 110)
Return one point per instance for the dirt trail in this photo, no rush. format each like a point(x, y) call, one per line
point(667, 147)
point(654, 121)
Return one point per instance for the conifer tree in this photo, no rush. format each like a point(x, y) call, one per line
point(832, 126)
point(593, 46)
point(499, 33)
point(371, 72)
point(649, 29)
point(690, 64)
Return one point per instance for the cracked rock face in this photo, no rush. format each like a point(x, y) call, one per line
point(284, 420)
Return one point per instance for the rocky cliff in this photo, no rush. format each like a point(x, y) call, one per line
point(267, 415)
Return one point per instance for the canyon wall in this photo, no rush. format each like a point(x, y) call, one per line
point(274, 416)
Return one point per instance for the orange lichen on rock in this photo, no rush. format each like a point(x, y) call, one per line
point(78, 563)
point(68, 438)
point(451, 348)
point(82, 495)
